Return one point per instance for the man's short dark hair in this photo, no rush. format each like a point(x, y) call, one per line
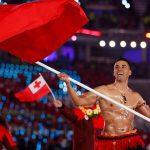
point(123, 59)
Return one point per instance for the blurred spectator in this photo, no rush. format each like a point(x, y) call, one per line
point(85, 125)
point(6, 138)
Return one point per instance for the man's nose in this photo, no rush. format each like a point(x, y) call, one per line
point(119, 69)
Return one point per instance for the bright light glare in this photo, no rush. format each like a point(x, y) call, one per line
point(102, 43)
point(143, 44)
point(127, 5)
point(74, 38)
point(133, 44)
point(123, 44)
point(112, 44)
point(147, 35)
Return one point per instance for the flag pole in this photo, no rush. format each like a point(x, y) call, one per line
point(54, 98)
point(97, 93)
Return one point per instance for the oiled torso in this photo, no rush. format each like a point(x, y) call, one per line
point(118, 121)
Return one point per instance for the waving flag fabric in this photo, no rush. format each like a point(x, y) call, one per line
point(33, 30)
point(36, 90)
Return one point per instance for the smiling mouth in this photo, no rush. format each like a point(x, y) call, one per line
point(120, 74)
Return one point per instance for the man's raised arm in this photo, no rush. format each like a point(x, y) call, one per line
point(86, 99)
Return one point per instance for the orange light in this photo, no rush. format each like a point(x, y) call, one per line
point(147, 35)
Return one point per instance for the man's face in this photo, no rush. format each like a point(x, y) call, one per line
point(122, 70)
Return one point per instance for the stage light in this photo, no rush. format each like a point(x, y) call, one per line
point(123, 44)
point(74, 38)
point(133, 44)
point(143, 44)
point(127, 5)
point(112, 44)
point(147, 35)
point(89, 32)
point(102, 43)
point(124, 2)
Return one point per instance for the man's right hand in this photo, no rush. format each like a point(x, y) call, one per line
point(64, 77)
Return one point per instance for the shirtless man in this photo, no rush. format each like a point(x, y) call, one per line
point(119, 132)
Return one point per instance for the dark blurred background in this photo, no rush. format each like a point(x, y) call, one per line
point(116, 28)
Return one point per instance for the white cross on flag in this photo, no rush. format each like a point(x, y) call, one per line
point(36, 90)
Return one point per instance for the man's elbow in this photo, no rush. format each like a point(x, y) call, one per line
point(147, 114)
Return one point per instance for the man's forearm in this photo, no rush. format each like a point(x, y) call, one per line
point(80, 100)
point(73, 95)
point(144, 109)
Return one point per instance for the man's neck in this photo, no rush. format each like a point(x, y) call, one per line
point(121, 85)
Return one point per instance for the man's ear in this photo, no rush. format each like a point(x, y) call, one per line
point(113, 73)
point(130, 73)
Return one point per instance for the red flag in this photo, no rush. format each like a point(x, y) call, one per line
point(36, 90)
point(33, 30)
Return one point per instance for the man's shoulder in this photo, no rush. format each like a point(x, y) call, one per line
point(136, 96)
point(104, 87)
point(134, 93)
